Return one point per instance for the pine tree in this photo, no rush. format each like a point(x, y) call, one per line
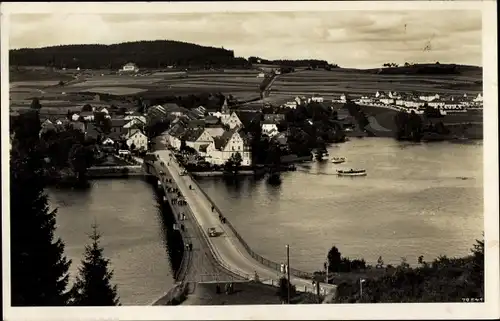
point(39, 269)
point(92, 286)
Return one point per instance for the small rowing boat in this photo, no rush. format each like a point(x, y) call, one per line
point(338, 160)
point(351, 172)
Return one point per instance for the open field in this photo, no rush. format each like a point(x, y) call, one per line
point(242, 84)
point(331, 84)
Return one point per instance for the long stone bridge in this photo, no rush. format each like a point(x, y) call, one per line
point(226, 257)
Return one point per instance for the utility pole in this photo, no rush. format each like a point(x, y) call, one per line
point(327, 266)
point(288, 271)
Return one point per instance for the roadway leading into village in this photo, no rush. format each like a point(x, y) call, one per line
point(226, 248)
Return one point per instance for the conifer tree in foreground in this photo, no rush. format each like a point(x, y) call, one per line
point(92, 286)
point(39, 269)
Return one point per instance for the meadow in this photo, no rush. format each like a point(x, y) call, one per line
point(79, 87)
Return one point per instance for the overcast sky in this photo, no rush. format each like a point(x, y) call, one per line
point(361, 39)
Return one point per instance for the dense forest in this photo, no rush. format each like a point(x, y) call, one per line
point(146, 54)
point(428, 69)
point(291, 63)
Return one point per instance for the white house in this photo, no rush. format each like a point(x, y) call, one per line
point(343, 98)
point(387, 101)
point(365, 100)
point(412, 103)
point(230, 143)
point(429, 97)
point(479, 98)
point(261, 75)
point(75, 117)
point(108, 141)
point(451, 104)
point(436, 104)
point(130, 67)
point(104, 110)
point(316, 99)
point(138, 138)
point(269, 128)
point(300, 100)
point(232, 120)
point(290, 104)
point(196, 137)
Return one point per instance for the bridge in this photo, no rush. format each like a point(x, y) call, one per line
point(227, 256)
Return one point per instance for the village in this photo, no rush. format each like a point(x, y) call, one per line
point(405, 102)
point(216, 134)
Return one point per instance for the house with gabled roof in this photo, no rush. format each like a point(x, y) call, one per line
point(196, 137)
point(231, 142)
point(232, 120)
point(174, 134)
point(138, 139)
point(133, 123)
point(269, 128)
point(136, 115)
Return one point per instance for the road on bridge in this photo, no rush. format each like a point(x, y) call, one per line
point(226, 248)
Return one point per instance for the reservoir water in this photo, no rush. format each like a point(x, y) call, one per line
point(418, 199)
point(133, 235)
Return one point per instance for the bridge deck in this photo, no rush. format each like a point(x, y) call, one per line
point(226, 250)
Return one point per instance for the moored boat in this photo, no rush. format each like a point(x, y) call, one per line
point(338, 160)
point(351, 172)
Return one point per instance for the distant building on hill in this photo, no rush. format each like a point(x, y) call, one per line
point(130, 67)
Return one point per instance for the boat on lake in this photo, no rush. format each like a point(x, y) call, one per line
point(351, 172)
point(338, 160)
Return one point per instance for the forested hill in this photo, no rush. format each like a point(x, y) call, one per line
point(146, 54)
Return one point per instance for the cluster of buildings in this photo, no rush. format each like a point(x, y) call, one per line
point(128, 128)
point(216, 134)
point(417, 102)
point(402, 101)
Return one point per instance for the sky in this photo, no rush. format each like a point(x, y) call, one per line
point(356, 39)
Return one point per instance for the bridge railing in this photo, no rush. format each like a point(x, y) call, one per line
point(266, 262)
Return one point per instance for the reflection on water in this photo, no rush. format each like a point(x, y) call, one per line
point(412, 202)
point(133, 235)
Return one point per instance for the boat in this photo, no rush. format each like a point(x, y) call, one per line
point(338, 160)
point(351, 172)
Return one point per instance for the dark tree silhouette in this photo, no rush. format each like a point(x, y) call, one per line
point(86, 108)
point(93, 286)
point(39, 269)
point(35, 104)
point(283, 290)
point(334, 259)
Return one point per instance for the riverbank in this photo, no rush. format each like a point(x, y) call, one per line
point(221, 173)
point(115, 171)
